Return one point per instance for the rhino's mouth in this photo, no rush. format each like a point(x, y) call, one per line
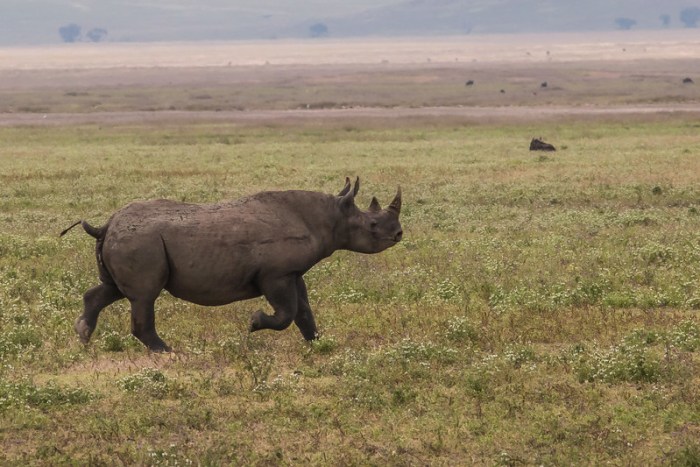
point(395, 239)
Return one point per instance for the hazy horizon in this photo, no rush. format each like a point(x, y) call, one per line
point(27, 22)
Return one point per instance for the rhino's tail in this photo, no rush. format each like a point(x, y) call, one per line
point(97, 232)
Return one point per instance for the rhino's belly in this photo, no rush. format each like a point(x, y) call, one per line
point(212, 294)
point(208, 272)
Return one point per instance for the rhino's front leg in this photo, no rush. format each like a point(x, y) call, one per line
point(143, 325)
point(305, 318)
point(281, 293)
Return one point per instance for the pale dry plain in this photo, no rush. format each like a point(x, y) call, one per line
point(608, 73)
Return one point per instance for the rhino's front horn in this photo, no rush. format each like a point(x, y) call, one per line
point(396, 203)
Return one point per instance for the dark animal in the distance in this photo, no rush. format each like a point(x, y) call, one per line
point(539, 145)
point(469, 82)
point(215, 254)
point(688, 81)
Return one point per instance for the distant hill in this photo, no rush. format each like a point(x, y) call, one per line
point(38, 21)
point(432, 17)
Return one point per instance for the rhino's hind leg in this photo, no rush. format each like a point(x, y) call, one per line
point(282, 296)
point(305, 318)
point(94, 301)
point(143, 325)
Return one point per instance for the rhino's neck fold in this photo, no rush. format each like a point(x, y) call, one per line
point(322, 218)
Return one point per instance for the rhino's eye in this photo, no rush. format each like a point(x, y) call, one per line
point(373, 224)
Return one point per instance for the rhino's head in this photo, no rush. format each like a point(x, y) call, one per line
point(368, 231)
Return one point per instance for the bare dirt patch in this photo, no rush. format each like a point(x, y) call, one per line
point(125, 363)
point(342, 116)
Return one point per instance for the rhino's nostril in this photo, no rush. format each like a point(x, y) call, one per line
point(398, 235)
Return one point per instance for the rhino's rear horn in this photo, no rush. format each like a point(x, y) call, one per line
point(374, 205)
point(346, 188)
point(348, 185)
point(395, 205)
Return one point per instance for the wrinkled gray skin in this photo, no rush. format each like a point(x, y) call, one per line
point(215, 254)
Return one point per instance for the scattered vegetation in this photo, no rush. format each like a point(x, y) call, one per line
point(537, 312)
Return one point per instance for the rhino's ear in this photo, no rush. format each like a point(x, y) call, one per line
point(357, 186)
point(346, 188)
point(374, 205)
point(395, 205)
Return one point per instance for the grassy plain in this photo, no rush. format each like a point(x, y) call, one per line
point(542, 308)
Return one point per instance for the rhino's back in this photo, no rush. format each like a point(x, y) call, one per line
point(165, 215)
point(271, 209)
point(243, 222)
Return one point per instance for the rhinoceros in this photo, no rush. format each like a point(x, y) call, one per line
point(215, 254)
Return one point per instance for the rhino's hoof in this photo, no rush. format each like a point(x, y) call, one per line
point(255, 321)
point(164, 348)
point(155, 344)
point(84, 330)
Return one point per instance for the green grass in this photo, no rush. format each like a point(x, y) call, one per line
point(540, 310)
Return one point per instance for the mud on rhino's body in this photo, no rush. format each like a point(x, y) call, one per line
point(220, 253)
